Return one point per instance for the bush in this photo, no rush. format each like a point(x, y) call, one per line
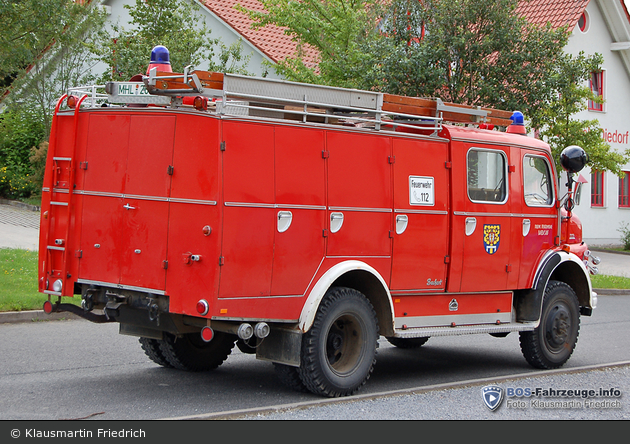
point(16, 184)
point(20, 132)
point(625, 235)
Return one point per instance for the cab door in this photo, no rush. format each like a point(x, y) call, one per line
point(483, 218)
point(538, 217)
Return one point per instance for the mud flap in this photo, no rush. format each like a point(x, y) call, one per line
point(282, 346)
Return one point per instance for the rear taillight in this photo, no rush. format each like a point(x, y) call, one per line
point(203, 307)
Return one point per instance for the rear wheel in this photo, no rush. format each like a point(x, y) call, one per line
point(192, 353)
point(407, 342)
point(151, 348)
point(339, 351)
point(551, 344)
point(290, 377)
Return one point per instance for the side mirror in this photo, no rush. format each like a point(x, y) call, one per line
point(573, 159)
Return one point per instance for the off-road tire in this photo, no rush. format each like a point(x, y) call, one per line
point(290, 377)
point(151, 348)
point(551, 344)
point(407, 343)
point(191, 353)
point(339, 351)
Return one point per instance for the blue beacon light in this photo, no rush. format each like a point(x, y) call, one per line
point(160, 59)
point(518, 123)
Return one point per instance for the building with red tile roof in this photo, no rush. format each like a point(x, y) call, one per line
point(273, 41)
point(556, 12)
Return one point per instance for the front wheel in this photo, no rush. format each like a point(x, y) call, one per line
point(551, 344)
point(339, 351)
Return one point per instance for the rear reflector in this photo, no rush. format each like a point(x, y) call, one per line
point(207, 334)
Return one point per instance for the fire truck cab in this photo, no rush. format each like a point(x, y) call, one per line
point(301, 223)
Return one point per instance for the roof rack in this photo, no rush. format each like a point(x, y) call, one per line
point(234, 94)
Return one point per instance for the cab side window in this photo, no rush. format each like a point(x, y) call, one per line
point(536, 181)
point(486, 176)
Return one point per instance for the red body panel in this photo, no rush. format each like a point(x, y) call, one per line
point(250, 215)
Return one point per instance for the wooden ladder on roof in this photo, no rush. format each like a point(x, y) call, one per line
point(293, 94)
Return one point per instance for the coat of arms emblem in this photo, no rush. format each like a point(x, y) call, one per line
point(491, 238)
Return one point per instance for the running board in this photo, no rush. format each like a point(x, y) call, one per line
point(425, 332)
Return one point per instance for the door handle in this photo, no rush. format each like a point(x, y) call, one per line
point(284, 220)
point(471, 224)
point(401, 223)
point(526, 226)
point(336, 221)
point(128, 207)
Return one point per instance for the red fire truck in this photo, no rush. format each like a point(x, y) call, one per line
point(301, 223)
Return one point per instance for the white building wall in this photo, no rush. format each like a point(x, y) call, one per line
point(601, 224)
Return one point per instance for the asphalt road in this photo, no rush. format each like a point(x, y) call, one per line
point(74, 369)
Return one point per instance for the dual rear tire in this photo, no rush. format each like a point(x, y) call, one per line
point(189, 352)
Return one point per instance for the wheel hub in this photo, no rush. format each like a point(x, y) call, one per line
point(558, 327)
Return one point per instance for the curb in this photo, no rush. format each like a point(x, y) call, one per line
point(15, 317)
point(611, 292)
point(18, 204)
point(604, 250)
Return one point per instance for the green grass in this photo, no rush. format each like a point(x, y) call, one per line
point(18, 281)
point(603, 281)
point(33, 200)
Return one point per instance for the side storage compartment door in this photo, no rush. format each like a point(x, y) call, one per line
point(125, 205)
point(421, 190)
point(103, 188)
point(145, 204)
point(194, 234)
point(300, 208)
point(360, 198)
point(249, 216)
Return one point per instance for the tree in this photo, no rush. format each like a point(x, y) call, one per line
point(337, 29)
point(47, 54)
point(172, 23)
point(475, 52)
point(557, 123)
point(31, 28)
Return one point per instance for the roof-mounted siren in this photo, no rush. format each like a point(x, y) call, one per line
point(573, 159)
point(160, 59)
point(518, 124)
